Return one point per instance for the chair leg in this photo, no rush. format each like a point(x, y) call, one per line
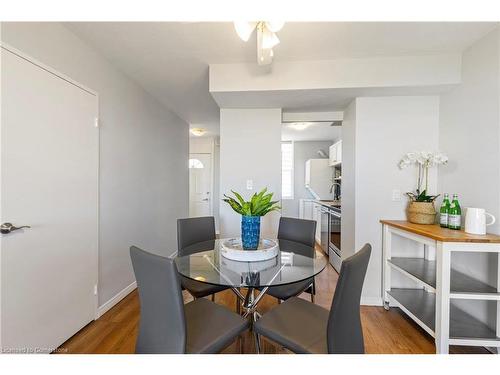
point(238, 306)
point(240, 341)
point(257, 342)
point(213, 297)
point(313, 290)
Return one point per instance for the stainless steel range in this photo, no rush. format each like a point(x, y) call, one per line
point(330, 234)
point(334, 249)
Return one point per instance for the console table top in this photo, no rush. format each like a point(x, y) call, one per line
point(437, 233)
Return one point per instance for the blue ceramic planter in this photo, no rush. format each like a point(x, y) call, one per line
point(250, 232)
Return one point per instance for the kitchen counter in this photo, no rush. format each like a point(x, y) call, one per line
point(330, 204)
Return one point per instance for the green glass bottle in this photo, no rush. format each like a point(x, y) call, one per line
point(455, 214)
point(444, 211)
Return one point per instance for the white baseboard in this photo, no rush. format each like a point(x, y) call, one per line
point(371, 301)
point(114, 300)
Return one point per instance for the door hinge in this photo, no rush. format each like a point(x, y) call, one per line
point(95, 290)
point(96, 122)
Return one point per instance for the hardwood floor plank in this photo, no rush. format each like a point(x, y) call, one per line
point(385, 332)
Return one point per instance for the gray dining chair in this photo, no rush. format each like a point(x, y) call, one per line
point(304, 327)
point(303, 232)
point(166, 324)
point(189, 232)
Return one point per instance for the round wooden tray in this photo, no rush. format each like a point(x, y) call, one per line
point(232, 248)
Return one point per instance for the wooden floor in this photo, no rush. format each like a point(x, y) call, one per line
point(384, 331)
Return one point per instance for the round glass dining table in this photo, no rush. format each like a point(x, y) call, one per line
point(205, 263)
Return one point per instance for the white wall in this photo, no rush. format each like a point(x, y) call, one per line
point(302, 151)
point(470, 135)
point(377, 133)
point(250, 149)
point(143, 152)
point(348, 222)
point(217, 201)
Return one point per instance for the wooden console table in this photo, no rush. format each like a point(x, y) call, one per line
point(438, 283)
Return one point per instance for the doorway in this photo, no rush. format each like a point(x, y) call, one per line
point(200, 185)
point(49, 183)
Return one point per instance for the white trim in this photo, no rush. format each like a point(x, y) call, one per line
point(371, 301)
point(104, 308)
point(49, 69)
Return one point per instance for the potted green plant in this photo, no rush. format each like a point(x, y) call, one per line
point(251, 211)
point(421, 208)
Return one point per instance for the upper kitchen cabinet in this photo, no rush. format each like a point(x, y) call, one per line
point(336, 153)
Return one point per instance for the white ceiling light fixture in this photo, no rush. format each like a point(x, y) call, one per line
point(266, 37)
point(198, 132)
point(300, 125)
point(244, 29)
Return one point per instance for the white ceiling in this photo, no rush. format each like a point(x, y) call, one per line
point(318, 131)
point(170, 59)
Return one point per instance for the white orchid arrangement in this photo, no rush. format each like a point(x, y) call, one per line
point(424, 160)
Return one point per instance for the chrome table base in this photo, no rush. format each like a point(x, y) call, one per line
point(249, 304)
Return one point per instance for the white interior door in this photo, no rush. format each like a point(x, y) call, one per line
point(49, 181)
point(200, 185)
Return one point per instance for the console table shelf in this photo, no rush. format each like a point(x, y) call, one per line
point(438, 283)
point(422, 305)
point(424, 271)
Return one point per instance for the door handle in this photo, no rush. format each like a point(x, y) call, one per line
point(206, 199)
point(6, 228)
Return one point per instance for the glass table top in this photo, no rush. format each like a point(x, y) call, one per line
point(295, 262)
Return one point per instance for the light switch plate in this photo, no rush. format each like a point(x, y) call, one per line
point(249, 184)
point(396, 195)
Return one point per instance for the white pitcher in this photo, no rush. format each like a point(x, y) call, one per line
point(475, 220)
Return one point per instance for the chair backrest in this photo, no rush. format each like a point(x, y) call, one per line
point(193, 230)
point(297, 230)
point(344, 332)
point(162, 327)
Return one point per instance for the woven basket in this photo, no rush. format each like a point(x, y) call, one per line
point(421, 213)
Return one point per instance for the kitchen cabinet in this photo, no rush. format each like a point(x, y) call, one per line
point(306, 209)
point(310, 210)
point(336, 153)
